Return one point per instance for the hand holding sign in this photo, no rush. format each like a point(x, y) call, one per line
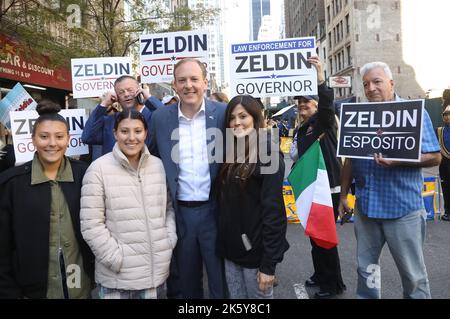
point(384, 162)
point(315, 60)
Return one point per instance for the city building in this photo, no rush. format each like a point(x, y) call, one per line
point(258, 9)
point(37, 71)
point(361, 31)
point(215, 43)
point(305, 18)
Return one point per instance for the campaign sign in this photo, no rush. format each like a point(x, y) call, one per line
point(278, 68)
point(91, 77)
point(393, 129)
point(16, 100)
point(160, 52)
point(22, 126)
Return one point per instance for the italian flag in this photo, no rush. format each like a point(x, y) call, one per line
point(309, 181)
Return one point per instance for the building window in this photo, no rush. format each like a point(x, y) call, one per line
point(338, 33)
point(329, 40)
point(328, 15)
point(349, 57)
point(347, 24)
point(339, 66)
point(378, 37)
point(331, 65)
point(357, 37)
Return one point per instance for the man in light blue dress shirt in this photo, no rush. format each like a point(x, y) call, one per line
point(187, 136)
point(389, 205)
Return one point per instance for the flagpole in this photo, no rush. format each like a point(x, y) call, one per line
point(321, 136)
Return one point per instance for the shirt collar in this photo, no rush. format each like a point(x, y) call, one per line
point(38, 176)
point(181, 115)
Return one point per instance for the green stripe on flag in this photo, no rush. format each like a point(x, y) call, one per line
point(304, 172)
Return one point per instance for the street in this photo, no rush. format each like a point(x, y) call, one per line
point(297, 264)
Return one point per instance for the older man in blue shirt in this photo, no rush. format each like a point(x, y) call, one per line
point(389, 205)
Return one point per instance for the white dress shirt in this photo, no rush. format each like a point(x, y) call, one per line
point(194, 182)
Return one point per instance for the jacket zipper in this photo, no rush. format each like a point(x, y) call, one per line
point(148, 229)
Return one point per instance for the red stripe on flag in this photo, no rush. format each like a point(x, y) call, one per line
point(321, 226)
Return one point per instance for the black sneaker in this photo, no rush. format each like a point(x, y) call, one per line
point(311, 283)
point(446, 217)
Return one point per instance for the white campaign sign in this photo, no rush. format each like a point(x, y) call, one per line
point(277, 68)
point(91, 77)
point(22, 125)
point(160, 52)
point(16, 100)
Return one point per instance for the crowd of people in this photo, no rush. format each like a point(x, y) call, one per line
point(167, 199)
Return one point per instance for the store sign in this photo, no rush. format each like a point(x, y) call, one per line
point(22, 125)
point(340, 81)
point(16, 65)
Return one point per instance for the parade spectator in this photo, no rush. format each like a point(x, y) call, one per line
point(219, 97)
point(127, 216)
point(252, 219)
point(389, 204)
point(179, 136)
point(7, 157)
point(42, 251)
point(444, 167)
point(99, 126)
point(317, 120)
point(169, 99)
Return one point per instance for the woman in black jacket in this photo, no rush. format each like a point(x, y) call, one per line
point(252, 219)
point(318, 120)
point(42, 251)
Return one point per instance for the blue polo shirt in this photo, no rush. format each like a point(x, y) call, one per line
point(391, 193)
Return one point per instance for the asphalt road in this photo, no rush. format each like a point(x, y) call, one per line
point(297, 264)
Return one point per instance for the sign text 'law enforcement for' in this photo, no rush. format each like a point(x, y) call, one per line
point(393, 129)
point(278, 68)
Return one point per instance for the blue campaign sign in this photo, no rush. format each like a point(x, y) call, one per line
point(393, 129)
point(275, 68)
point(17, 99)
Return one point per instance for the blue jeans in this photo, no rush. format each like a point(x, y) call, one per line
point(242, 283)
point(405, 237)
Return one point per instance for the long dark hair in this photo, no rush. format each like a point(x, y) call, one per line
point(233, 168)
point(131, 114)
point(445, 98)
point(48, 111)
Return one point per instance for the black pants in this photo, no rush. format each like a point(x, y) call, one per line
point(444, 172)
point(327, 268)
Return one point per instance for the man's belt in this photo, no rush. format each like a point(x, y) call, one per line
point(192, 203)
